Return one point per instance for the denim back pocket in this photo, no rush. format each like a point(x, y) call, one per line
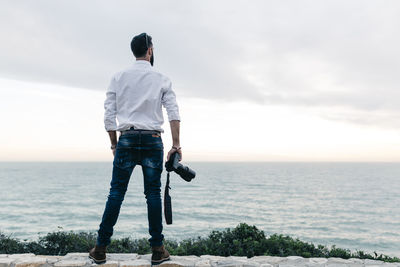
point(151, 139)
point(153, 158)
point(123, 158)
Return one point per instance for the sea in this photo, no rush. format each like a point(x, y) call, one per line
point(352, 205)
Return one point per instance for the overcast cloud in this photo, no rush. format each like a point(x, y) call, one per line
point(338, 55)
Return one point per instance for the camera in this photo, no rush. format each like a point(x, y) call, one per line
point(184, 172)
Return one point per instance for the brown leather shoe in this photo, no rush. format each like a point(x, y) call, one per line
point(98, 254)
point(160, 254)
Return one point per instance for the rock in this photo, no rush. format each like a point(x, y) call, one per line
point(23, 255)
point(390, 264)
point(212, 257)
point(226, 263)
point(372, 262)
point(356, 260)
point(135, 263)
point(266, 260)
point(295, 258)
point(108, 263)
point(336, 265)
point(237, 258)
point(31, 262)
point(286, 264)
point(293, 261)
point(6, 262)
point(72, 263)
point(186, 261)
point(318, 260)
point(51, 259)
point(123, 256)
point(76, 255)
point(171, 263)
point(251, 264)
point(202, 263)
point(135, 260)
point(338, 260)
point(145, 257)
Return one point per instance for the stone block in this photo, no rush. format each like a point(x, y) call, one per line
point(22, 255)
point(336, 265)
point(266, 259)
point(185, 260)
point(108, 263)
point(237, 258)
point(390, 264)
point(290, 264)
point(317, 260)
point(6, 262)
point(190, 257)
point(372, 262)
point(338, 260)
point(31, 262)
point(77, 255)
point(251, 264)
point(145, 257)
point(203, 263)
point(275, 260)
point(295, 258)
point(51, 259)
point(72, 263)
point(212, 257)
point(171, 263)
point(135, 263)
point(123, 256)
point(226, 263)
point(356, 260)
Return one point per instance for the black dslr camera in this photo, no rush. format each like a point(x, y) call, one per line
point(184, 172)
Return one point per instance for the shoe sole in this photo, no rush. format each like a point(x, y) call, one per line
point(98, 261)
point(160, 261)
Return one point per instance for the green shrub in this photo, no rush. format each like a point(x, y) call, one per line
point(243, 240)
point(283, 246)
point(9, 245)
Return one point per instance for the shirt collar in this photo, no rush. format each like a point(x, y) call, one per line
point(142, 62)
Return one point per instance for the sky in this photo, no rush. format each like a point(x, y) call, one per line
point(255, 80)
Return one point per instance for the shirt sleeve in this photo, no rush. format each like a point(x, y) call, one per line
point(110, 107)
point(168, 100)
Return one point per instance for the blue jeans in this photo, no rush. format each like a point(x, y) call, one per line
point(147, 150)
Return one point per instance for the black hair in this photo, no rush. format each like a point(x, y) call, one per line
point(139, 45)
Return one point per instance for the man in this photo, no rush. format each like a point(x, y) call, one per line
point(135, 98)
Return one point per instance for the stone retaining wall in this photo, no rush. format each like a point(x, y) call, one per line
point(135, 260)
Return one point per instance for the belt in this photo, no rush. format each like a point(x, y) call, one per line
point(141, 131)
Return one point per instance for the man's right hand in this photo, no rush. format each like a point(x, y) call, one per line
point(172, 151)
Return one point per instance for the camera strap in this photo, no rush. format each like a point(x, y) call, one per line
point(167, 202)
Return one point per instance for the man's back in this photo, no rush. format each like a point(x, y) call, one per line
point(135, 97)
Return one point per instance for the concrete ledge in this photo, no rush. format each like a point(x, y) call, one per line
point(135, 260)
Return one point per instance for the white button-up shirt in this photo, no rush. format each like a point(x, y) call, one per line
point(135, 97)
